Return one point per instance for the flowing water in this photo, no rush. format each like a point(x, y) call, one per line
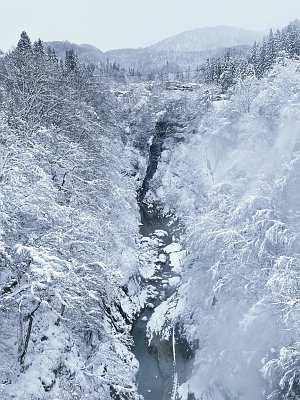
point(156, 369)
point(157, 376)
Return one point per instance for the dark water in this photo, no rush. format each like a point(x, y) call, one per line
point(155, 376)
point(150, 380)
point(156, 368)
point(155, 150)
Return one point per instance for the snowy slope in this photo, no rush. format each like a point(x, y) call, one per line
point(234, 181)
point(86, 52)
point(209, 38)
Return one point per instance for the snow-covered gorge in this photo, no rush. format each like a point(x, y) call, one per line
point(160, 267)
point(77, 259)
point(160, 254)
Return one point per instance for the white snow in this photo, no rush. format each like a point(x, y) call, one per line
point(162, 258)
point(145, 239)
point(160, 233)
point(173, 247)
point(174, 281)
point(175, 260)
point(150, 305)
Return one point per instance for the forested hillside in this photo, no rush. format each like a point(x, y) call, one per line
point(69, 221)
point(150, 227)
point(209, 38)
point(234, 183)
point(277, 45)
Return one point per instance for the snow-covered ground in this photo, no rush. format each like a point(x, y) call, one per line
point(234, 185)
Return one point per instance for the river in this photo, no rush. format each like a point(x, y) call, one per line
point(158, 372)
point(156, 367)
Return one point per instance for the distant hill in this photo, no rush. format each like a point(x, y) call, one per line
point(211, 38)
point(86, 52)
point(149, 59)
point(143, 59)
point(185, 50)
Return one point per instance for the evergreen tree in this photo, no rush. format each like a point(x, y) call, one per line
point(270, 55)
point(71, 61)
point(24, 43)
point(228, 72)
point(52, 55)
point(208, 71)
point(277, 41)
point(38, 48)
point(262, 65)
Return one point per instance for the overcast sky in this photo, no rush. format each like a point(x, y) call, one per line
point(110, 24)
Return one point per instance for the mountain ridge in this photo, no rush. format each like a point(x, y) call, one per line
point(231, 37)
point(189, 48)
point(208, 38)
point(87, 52)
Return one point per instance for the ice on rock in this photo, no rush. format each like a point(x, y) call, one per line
point(162, 258)
point(173, 247)
point(145, 239)
point(174, 281)
point(160, 233)
point(176, 269)
point(175, 259)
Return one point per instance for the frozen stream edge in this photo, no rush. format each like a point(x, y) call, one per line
point(160, 274)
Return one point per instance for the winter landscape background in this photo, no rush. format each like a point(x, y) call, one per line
point(149, 230)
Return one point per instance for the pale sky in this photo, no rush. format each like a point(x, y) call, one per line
point(109, 24)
